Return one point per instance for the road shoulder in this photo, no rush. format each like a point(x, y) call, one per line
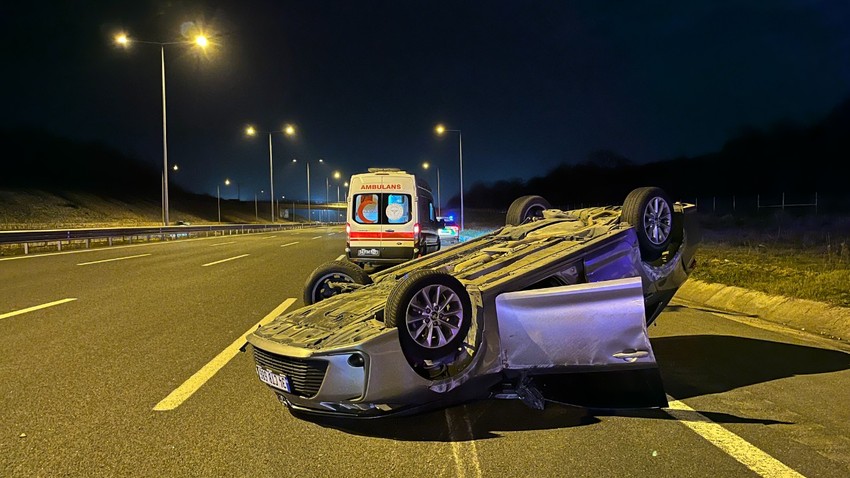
point(807, 315)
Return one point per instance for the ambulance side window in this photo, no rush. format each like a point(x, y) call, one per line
point(398, 208)
point(366, 208)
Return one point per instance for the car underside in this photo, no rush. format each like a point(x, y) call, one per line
point(552, 306)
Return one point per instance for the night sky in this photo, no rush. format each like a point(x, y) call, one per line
point(530, 84)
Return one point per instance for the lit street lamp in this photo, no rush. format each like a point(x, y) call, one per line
point(441, 130)
point(336, 175)
point(174, 168)
point(218, 197)
point(288, 130)
point(426, 165)
point(256, 210)
point(309, 217)
point(201, 41)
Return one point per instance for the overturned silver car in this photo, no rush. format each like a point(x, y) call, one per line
point(554, 305)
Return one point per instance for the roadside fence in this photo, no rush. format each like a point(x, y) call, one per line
point(758, 203)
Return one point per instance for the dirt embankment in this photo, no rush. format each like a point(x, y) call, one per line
point(33, 209)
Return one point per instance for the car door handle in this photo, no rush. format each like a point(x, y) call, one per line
point(389, 230)
point(631, 355)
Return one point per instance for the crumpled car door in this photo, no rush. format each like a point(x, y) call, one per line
point(584, 344)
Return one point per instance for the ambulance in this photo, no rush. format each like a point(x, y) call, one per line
point(391, 218)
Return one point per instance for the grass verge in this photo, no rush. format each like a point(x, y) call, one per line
point(792, 269)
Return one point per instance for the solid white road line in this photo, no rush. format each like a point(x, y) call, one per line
point(112, 260)
point(34, 308)
point(475, 460)
point(465, 453)
point(190, 386)
point(225, 260)
point(730, 443)
point(222, 243)
point(456, 448)
point(317, 237)
point(289, 244)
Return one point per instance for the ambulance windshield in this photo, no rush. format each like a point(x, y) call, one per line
point(381, 208)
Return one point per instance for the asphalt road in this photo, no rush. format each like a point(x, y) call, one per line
point(79, 381)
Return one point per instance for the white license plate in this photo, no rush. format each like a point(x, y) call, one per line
point(276, 380)
point(368, 253)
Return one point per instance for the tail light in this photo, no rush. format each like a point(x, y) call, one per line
point(348, 229)
point(416, 230)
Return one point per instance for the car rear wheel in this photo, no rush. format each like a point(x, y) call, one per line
point(323, 281)
point(650, 212)
point(526, 208)
point(432, 311)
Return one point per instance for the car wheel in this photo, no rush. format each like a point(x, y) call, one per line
point(432, 311)
point(320, 284)
point(526, 208)
point(650, 212)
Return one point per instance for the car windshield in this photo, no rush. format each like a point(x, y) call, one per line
point(381, 208)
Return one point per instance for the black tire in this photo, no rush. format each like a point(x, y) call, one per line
point(317, 287)
point(525, 208)
point(650, 212)
point(426, 333)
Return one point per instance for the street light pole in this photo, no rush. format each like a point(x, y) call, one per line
point(309, 216)
point(271, 176)
point(460, 143)
point(345, 194)
point(288, 130)
point(164, 142)
point(427, 165)
point(200, 40)
point(440, 129)
point(218, 197)
point(439, 201)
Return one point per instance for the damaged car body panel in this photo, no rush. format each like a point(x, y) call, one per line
point(562, 292)
point(605, 327)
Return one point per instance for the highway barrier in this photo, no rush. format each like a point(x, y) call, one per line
point(109, 235)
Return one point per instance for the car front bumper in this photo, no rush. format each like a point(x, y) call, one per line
point(334, 383)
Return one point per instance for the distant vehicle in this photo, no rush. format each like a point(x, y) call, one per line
point(390, 218)
point(552, 298)
point(449, 231)
point(183, 223)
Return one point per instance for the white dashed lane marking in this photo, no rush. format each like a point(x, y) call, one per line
point(35, 307)
point(112, 260)
point(225, 260)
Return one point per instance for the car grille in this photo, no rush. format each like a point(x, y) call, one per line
point(305, 375)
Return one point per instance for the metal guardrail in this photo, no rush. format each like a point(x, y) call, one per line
point(58, 236)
